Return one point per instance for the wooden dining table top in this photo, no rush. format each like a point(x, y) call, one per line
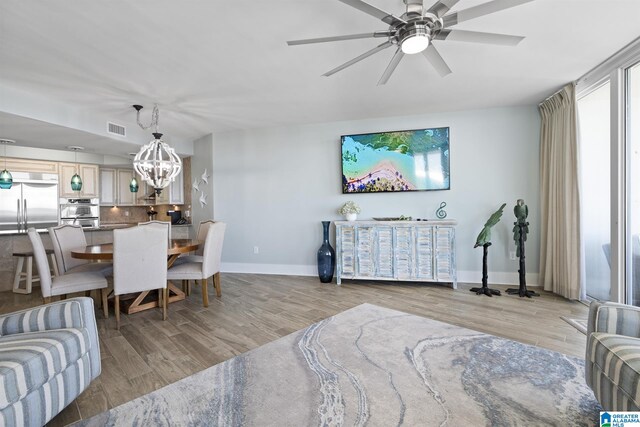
point(105, 250)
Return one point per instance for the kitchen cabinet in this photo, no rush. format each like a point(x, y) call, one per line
point(27, 165)
point(124, 195)
point(176, 190)
point(173, 194)
point(115, 191)
point(108, 187)
point(90, 180)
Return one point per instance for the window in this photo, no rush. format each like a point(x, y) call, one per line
point(595, 185)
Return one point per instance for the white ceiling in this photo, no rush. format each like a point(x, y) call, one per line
point(216, 66)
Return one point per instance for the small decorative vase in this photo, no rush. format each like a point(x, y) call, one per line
point(351, 216)
point(326, 256)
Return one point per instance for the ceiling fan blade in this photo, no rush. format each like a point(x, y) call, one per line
point(340, 38)
point(359, 58)
point(391, 67)
point(442, 7)
point(478, 37)
point(375, 12)
point(481, 10)
point(432, 54)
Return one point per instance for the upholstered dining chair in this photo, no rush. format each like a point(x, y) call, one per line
point(208, 267)
point(140, 263)
point(201, 235)
point(68, 283)
point(163, 223)
point(66, 237)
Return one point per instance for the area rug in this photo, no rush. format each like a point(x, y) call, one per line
point(579, 324)
point(378, 367)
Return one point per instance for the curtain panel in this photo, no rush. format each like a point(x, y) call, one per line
point(560, 261)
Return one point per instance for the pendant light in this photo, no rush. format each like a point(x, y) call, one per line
point(156, 162)
point(76, 180)
point(133, 185)
point(6, 180)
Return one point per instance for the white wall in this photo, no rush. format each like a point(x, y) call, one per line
point(202, 159)
point(274, 186)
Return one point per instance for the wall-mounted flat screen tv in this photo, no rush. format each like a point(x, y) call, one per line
point(411, 160)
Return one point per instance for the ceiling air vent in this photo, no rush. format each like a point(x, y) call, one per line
point(115, 129)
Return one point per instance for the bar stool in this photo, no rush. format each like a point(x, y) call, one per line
point(27, 275)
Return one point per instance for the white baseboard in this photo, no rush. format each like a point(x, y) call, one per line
point(283, 269)
point(495, 277)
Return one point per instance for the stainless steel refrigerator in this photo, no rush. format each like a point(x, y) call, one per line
point(32, 201)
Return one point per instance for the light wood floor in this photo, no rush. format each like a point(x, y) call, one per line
point(147, 353)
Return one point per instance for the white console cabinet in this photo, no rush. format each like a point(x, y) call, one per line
point(420, 251)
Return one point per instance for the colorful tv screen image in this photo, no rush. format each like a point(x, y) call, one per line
point(412, 160)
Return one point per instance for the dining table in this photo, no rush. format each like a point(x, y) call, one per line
point(133, 303)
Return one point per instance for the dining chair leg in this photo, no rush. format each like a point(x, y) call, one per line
point(216, 284)
point(165, 299)
point(105, 303)
point(205, 294)
point(117, 308)
point(184, 286)
point(188, 287)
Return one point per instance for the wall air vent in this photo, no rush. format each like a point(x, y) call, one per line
point(115, 129)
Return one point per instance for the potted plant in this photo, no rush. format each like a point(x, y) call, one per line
point(350, 211)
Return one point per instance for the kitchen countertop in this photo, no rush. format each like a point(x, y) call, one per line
point(113, 226)
point(103, 227)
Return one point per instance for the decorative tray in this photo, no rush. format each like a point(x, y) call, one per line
point(400, 218)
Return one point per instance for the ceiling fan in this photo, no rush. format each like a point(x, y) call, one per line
point(415, 30)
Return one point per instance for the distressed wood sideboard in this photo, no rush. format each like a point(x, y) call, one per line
point(420, 251)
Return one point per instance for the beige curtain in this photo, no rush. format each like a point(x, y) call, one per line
point(560, 203)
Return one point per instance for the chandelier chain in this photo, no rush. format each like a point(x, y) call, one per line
point(155, 119)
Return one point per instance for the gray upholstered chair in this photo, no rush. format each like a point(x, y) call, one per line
point(140, 263)
point(612, 365)
point(83, 281)
point(201, 235)
point(48, 356)
point(66, 237)
point(210, 265)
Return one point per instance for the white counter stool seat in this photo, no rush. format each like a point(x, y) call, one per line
point(27, 276)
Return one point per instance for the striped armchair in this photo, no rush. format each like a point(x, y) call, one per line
point(48, 356)
point(613, 355)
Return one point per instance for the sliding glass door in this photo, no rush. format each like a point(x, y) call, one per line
point(632, 137)
point(595, 183)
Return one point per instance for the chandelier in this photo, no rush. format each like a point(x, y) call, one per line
point(156, 162)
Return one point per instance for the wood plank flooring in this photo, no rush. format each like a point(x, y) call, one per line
point(148, 353)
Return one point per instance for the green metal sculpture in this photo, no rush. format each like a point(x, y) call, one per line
point(520, 231)
point(484, 240)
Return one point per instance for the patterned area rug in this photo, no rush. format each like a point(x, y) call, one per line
point(379, 367)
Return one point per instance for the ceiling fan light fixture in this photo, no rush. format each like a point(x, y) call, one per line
point(415, 38)
point(415, 44)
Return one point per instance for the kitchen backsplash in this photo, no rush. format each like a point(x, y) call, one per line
point(118, 215)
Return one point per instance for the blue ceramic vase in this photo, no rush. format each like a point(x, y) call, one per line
point(326, 256)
